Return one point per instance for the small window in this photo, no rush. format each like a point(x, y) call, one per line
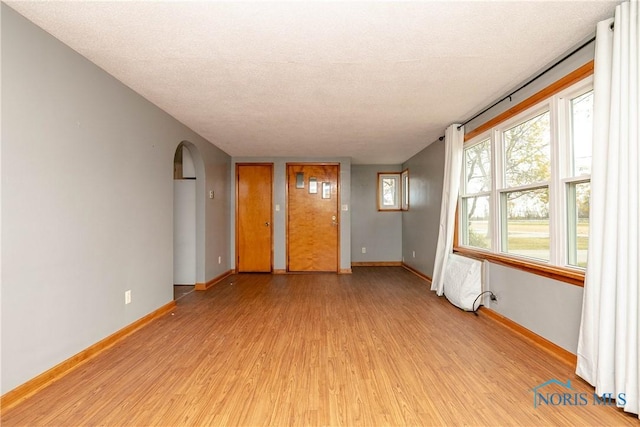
point(389, 191)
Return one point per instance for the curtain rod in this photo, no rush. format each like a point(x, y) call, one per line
point(560, 61)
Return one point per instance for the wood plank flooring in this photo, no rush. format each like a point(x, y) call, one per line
point(181, 290)
point(373, 348)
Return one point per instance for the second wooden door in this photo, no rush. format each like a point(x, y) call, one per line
point(312, 217)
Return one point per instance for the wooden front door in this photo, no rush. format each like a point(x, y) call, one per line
point(254, 187)
point(312, 217)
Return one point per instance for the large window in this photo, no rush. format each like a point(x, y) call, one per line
point(526, 183)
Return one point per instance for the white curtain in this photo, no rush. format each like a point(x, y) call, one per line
point(453, 140)
point(609, 335)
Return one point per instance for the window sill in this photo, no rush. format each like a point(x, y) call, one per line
point(563, 274)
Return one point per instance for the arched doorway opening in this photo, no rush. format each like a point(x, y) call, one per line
point(188, 172)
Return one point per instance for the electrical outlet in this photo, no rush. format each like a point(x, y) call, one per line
point(127, 297)
point(364, 250)
point(414, 254)
point(219, 260)
point(493, 297)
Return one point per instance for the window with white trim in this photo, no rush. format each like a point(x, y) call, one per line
point(389, 191)
point(526, 182)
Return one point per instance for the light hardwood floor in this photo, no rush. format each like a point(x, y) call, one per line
point(373, 348)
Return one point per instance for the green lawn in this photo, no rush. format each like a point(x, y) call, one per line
point(529, 238)
point(527, 243)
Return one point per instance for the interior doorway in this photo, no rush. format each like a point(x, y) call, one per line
point(185, 212)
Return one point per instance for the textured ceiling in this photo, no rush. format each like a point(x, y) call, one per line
point(374, 81)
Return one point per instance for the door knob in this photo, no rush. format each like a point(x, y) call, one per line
point(266, 224)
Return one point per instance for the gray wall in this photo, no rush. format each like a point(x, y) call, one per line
point(547, 307)
point(379, 232)
point(87, 203)
point(216, 232)
point(279, 198)
point(550, 308)
point(420, 223)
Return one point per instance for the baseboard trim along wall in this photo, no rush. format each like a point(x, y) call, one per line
point(416, 272)
point(377, 264)
point(36, 384)
point(281, 271)
point(551, 348)
point(214, 281)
